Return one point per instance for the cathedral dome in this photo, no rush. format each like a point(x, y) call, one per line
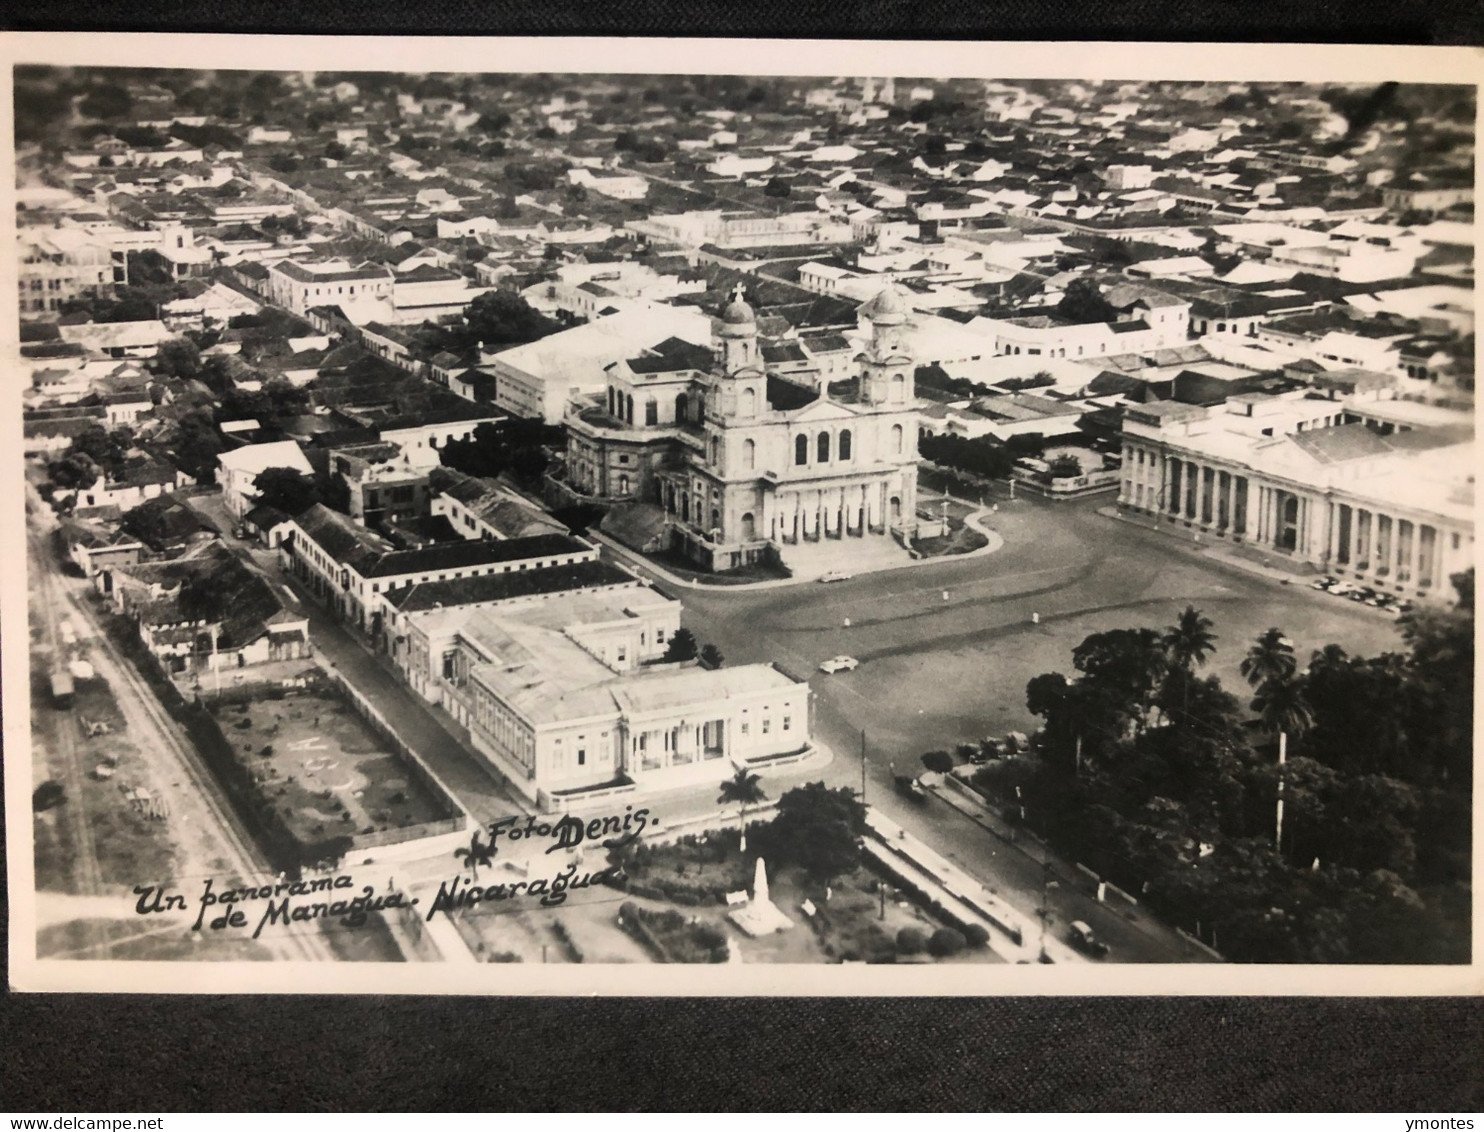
point(887, 307)
point(738, 313)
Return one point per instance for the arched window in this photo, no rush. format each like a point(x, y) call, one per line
point(651, 412)
point(824, 448)
point(749, 454)
point(749, 402)
point(698, 407)
point(1220, 327)
point(801, 449)
point(749, 526)
point(845, 444)
point(629, 408)
point(715, 449)
point(896, 439)
point(623, 485)
point(715, 519)
point(680, 408)
point(898, 386)
point(612, 395)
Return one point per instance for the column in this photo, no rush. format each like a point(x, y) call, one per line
point(1414, 566)
point(1161, 501)
point(1427, 557)
point(1383, 541)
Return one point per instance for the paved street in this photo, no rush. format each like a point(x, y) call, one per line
point(936, 671)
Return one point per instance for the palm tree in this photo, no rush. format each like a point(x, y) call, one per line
point(1283, 708)
point(1188, 642)
point(477, 854)
point(742, 790)
point(1270, 658)
point(1190, 639)
point(1281, 703)
point(1328, 659)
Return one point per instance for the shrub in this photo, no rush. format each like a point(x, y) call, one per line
point(244, 723)
point(911, 941)
point(267, 750)
point(939, 762)
point(976, 935)
point(946, 942)
point(47, 795)
point(504, 957)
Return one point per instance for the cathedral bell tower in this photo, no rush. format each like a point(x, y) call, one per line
point(738, 338)
point(886, 367)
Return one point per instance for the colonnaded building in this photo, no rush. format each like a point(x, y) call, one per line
point(736, 463)
point(1375, 490)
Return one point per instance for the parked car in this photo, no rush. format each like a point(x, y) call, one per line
point(836, 576)
point(1362, 594)
point(839, 664)
point(1084, 940)
point(1327, 582)
point(1343, 589)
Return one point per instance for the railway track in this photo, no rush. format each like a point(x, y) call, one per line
point(87, 874)
point(239, 850)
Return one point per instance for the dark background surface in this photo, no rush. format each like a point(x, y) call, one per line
point(77, 1053)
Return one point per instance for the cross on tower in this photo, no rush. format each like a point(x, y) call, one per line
point(738, 291)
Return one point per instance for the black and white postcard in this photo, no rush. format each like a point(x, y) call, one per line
point(501, 516)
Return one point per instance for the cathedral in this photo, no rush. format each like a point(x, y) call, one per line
point(731, 464)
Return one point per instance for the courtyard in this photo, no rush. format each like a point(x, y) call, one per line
point(322, 768)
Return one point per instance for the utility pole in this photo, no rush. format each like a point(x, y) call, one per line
point(863, 766)
point(1282, 759)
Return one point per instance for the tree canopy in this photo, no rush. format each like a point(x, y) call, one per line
point(1167, 782)
point(818, 829)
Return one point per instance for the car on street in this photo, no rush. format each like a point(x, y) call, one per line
point(839, 664)
point(910, 788)
point(836, 576)
point(1342, 589)
point(1328, 582)
point(1084, 940)
point(1363, 595)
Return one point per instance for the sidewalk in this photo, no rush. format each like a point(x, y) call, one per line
point(1273, 565)
point(961, 895)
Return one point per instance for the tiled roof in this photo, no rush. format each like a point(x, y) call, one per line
point(487, 588)
point(456, 555)
point(670, 356)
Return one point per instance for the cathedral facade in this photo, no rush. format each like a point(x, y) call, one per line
point(738, 464)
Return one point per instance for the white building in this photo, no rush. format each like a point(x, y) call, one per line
point(300, 285)
point(539, 379)
point(1373, 490)
point(237, 469)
